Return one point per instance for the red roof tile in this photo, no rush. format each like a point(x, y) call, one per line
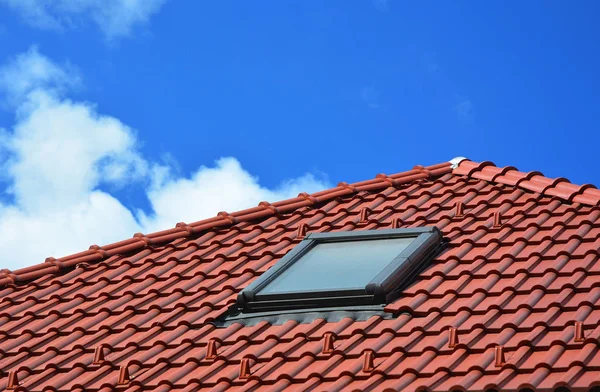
point(512, 303)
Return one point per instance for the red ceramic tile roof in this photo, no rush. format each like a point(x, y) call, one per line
point(512, 303)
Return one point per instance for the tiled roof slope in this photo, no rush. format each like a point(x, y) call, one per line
point(512, 303)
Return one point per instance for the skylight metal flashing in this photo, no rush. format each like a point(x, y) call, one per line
point(303, 316)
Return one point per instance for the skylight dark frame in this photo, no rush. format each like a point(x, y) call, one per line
point(381, 289)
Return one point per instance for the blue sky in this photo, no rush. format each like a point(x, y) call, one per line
point(298, 93)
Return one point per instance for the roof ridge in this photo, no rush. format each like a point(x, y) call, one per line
point(533, 181)
point(264, 209)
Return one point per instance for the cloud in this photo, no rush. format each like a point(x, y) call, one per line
point(115, 18)
point(464, 109)
point(29, 71)
point(226, 186)
point(382, 5)
point(430, 62)
point(370, 95)
point(59, 153)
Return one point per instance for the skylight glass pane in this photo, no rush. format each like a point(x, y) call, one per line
point(338, 265)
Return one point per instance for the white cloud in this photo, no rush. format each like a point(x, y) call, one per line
point(382, 5)
point(27, 237)
point(210, 189)
point(463, 109)
point(371, 96)
point(30, 71)
point(59, 152)
point(115, 18)
point(63, 149)
point(430, 63)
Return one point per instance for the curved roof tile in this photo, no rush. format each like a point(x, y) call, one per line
point(521, 271)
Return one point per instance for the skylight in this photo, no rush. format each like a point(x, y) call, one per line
point(337, 269)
